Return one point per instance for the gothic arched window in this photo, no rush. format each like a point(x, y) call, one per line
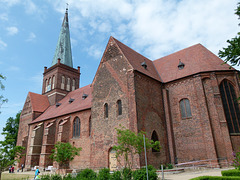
point(185, 109)
point(106, 110)
point(154, 138)
point(76, 127)
point(230, 106)
point(119, 107)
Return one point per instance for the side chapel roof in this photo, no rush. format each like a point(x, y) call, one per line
point(77, 100)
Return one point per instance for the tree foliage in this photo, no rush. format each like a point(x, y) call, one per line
point(2, 87)
point(232, 52)
point(10, 132)
point(130, 143)
point(63, 153)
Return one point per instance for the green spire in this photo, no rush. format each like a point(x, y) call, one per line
point(63, 49)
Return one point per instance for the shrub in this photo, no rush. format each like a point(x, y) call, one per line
point(56, 177)
point(236, 161)
point(87, 174)
point(231, 172)
point(68, 177)
point(142, 175)
point(46, 177)
point(169, 166)
point(117, 175)
point(215, 178)
point(104, 174)
point(127, 174)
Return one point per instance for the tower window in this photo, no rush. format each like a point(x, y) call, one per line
point(63, 82)
point(76, 127)
point(119, 107)
point(46, 85)
point(49, 84)
point(53, 82)
point(185, 109)
point(106, 110)
point(230, 106)
point(73, 84)
point(68, 84)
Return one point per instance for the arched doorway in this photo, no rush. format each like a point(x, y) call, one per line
point(112, 160)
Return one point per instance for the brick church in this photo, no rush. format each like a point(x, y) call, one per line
point(186, 100)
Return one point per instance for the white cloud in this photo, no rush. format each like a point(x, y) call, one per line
point(94, 51)
point(154, 27)
point(3, 17)
point(31, 37)
point(3, 45)
point(9, 2)
point(12, 30)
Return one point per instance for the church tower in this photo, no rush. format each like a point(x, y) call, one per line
point(61, 77)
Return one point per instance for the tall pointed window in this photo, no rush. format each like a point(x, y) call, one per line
point(63, 82)
point(185, 109)
point(119, 107)
point(231, 106)
point(154, 138)
point(106, 110)
point(73, 84)
point(90, 126)
point(53, 82)
point(49, 84)
point(68, 84)
point(76, 127)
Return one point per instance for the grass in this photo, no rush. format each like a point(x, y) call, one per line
point(12, 176)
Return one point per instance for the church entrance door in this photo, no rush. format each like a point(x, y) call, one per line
point(112, 160)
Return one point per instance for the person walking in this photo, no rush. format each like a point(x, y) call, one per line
point(36, 173)
point(22, 167)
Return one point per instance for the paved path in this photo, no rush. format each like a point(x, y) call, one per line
point(191, 174)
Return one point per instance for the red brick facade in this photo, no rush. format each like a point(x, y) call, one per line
point(150, 102)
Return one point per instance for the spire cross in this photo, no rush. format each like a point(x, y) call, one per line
point(67, 6)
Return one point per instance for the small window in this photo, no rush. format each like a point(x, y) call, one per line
point(119, 107)
point(185, 109)
point(106, 110)
point(76, 127)
point(154, 138)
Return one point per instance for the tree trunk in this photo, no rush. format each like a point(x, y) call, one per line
point(0, 175)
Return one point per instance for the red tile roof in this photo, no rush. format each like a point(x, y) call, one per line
point(136, 59)
point(78, 104)
point(39, 102)
point(196, 58)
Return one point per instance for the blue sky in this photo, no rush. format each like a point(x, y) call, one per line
point(29, 32)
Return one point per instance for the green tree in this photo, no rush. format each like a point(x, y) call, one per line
point(130, 143)
point(6, 160)
point(63, 153)
point(232, 52)
point(10, 132)
point(2, 87)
